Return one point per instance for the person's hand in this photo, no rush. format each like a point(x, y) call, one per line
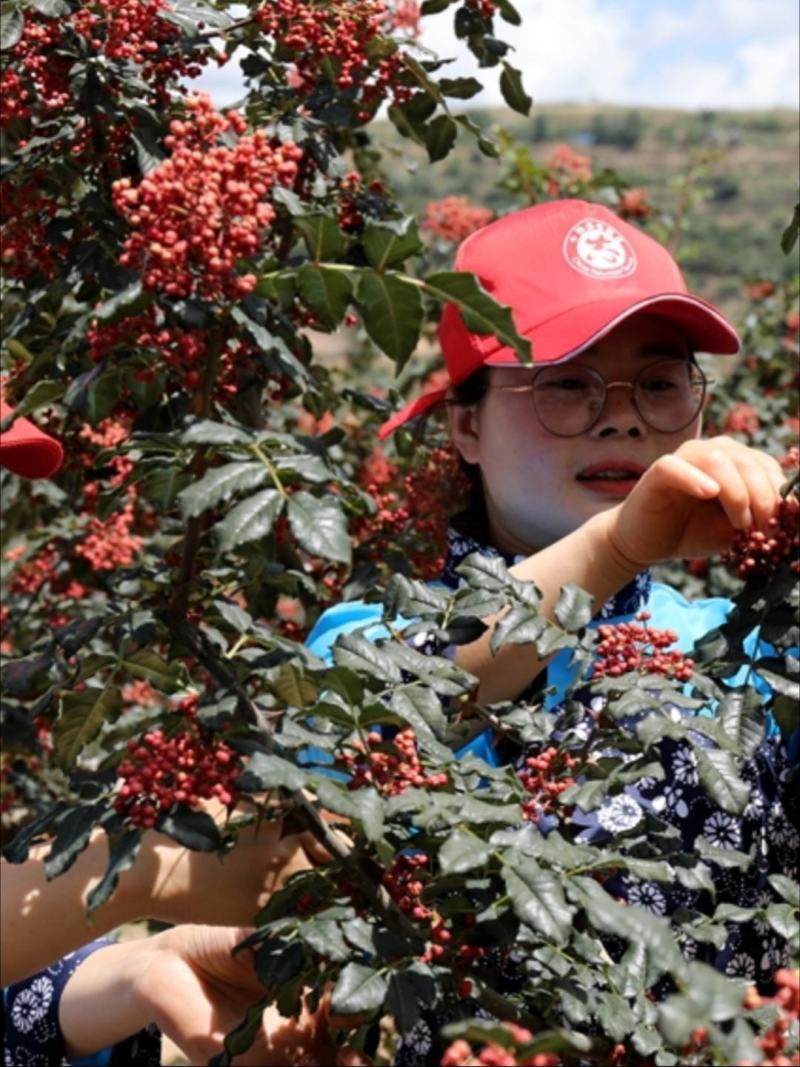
point(178, 885)
point(692, 502)
point(196, 992)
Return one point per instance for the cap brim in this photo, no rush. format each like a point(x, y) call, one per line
point(565, 335)
point(411, 411)
point(26, 450)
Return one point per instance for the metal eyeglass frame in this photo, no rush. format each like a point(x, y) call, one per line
point(528, 388)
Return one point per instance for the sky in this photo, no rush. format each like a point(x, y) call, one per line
point(696, 54)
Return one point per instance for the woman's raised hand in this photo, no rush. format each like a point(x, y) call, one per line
point(692, 502)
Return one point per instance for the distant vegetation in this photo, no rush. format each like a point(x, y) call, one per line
point(727, 180)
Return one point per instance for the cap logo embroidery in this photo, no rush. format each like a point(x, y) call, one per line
point(598, 250)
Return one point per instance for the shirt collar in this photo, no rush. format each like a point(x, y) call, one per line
point(627, 601)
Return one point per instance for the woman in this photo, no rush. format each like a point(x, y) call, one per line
point(587, 468)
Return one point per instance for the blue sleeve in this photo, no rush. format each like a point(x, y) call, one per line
point(31, 1031)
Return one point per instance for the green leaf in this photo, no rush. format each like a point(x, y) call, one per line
point(784, 920)
point(122, 849)
point(271, 772)
point(324, 937)
point(319, 526)
point(129, 301)
point(519, 626)
point(390, 243)
point(358, 989)
point(149, 153)
point(238, 618)
point(460, 88)
point(787, 887)
point(462, 852)
point(719, 777)
point(789, 235)
point(723, 857)
point(292, 687)
point(53, 9)
point(11, 26)
point(512, 90)
point(741, 718)
point(80, 719)
point(73, 831)
point(537, 897)
point(147, 665)
point(363, 656)
point(326, 292)
point(207, 432)
point(508, 12)
point(573, 608)
point(480, 312)
point(440, 136)
point(40, 394)
point(419, 702)
point(220, 484)
point(362, 805)
point(486, 145)
point(195, 830)
point(408, 991)
point(250, 520)
point(322, 236)
point(433, 7)
point(392, 313)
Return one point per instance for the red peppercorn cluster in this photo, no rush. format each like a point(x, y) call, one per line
point(27, 247)
point(633, 204)
point(485, 8)
point(183, 768)
point(453, 218)
point(757, 553)
point(405, 884)
point(539, 776)
point(206, 206)
point(341, 35)
point(109, 543)
point(632, 646)
point(461, 1054)
point(415, 503)
point(405, 16)
point(742, 418)
point(35, 75)
point(392, 772)
point(776, 1042)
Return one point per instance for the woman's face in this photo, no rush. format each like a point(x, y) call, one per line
point(539, 487)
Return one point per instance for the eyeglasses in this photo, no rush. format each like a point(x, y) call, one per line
point(569, 399)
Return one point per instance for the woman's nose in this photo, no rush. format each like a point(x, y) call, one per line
point(619, 416)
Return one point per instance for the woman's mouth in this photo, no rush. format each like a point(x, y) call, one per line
point(610, 479)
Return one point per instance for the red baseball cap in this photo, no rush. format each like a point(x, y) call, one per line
point(570, 271)
point(27, 450)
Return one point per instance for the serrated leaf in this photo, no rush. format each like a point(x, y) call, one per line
point(238, 618)
point(122, 850)
point(363, 805)
point(11, 26)
point(326, 292)
point(53, 9)
point(148, 666)
point(319, 526)
point(207, 432)
point(741, 718)
point(40, 395)
point(129, 301)
point(251, 519)
point(362, 656)
point(389, 243)
point(420, 702)
point(783, 919)
point(519, 626)
point(719, 777)
point(512, 90)
point(220, 484)
point(480, 312)
point(323, 238)
point(73, 831)
point(293, 688)
point(392, 313)
point(358, 989)
point(460, 88)
point(573, 608)
point(463, 852)
point(271, 772)
point(195, 830)
point(787, 887)
point(537, 897)
point(440, 136)
point(81, 718)
point(723, 857)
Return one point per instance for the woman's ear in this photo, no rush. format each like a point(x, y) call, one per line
point(464, 430)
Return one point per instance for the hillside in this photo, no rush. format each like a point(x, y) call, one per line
point(744, 185)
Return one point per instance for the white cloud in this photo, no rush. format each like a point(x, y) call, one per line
point(687, 53)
